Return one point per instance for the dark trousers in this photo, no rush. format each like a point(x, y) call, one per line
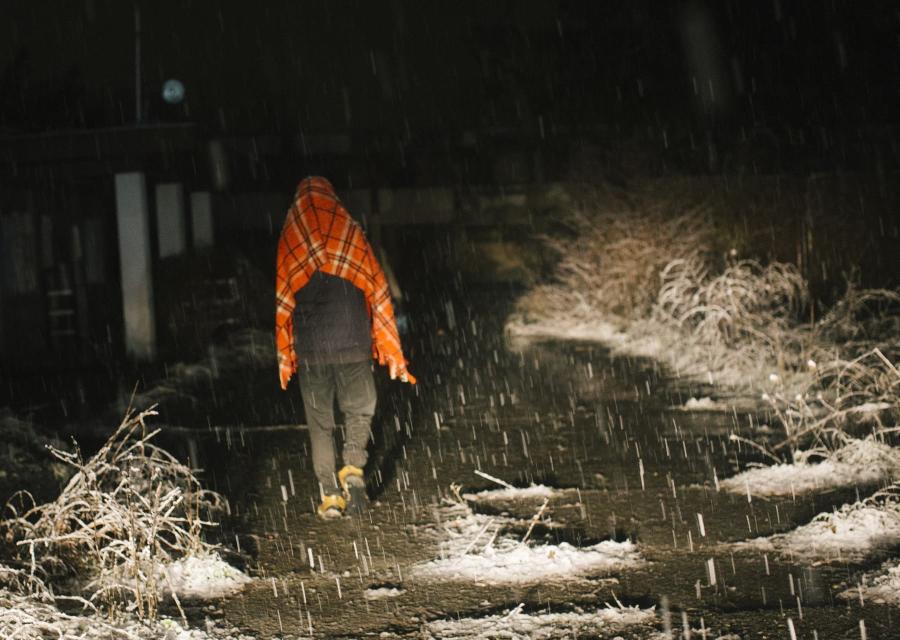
point(354, 387)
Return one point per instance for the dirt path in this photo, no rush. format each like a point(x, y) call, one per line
point(565, 416)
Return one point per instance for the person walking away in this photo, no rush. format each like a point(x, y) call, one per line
point(333, 314)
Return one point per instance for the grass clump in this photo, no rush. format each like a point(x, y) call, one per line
point(743, 318)
point(648, 273)
point(128, 511)
point(611, 249)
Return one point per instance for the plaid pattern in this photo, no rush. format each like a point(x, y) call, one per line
point(319, 234)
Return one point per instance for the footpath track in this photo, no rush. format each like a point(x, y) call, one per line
point(632, 519)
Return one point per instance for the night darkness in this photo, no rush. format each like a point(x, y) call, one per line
point(425, 71)
point(586, 323)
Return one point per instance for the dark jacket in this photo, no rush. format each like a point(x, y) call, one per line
point(331, 323)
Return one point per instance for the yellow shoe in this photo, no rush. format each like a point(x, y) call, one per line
point(354, 485)
point(350, 476)
point(332, 507)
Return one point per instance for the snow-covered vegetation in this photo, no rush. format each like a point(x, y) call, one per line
point(861, 463)
point(881, 588)
point(651, 276)
point(482, 549)
point(855, 532)
point(124, 533)
point(26, 617)
point(654, 277)
point(505, 494)
point(518, 624)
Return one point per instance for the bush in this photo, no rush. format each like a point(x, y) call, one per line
point(648, 266)
point(611, 251)
point(748, 310)
point(128, 511)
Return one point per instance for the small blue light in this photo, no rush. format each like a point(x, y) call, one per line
point(173, 91)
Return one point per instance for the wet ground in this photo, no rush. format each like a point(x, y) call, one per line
point(562, 414)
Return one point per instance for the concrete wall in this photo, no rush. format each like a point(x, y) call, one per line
point(135, 262)
point(202, 227)
point(171, 226)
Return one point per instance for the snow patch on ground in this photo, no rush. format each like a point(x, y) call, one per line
point(203, 577)
point(474, 547)
point(882, 588)
point(568, 329)
point(509, 562)
point(199, 577)
point(859, 463)
point(852, 533)
point(379, 593)
point(523, 493)
point(516, 624)
point(640, 338)
point(703, 404)
point(30, 618)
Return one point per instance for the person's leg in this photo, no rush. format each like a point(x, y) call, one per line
point(317, 386)
point(356, 398)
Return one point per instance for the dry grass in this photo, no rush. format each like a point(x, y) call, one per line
point(743, 317)
point(861, 319)
point(844, 397)
point(650, 266)
point(128, 510)
point(613, 250)
point(33, 617)
point(655, 276)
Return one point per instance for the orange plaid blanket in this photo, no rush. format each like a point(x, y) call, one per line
point(319, 234)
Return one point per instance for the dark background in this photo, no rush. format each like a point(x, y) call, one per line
point(783, 113)
point(809, 77)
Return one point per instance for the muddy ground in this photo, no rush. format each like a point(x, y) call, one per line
point(562, 414)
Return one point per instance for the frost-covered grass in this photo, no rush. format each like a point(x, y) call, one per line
point(642, 273)
point(845, 396)
point(519, 625)
point(31, 611)
point(31, 618)
point(830, 384)
point(859, 463)
point(611, 249)
point(881, 588)
point(744, 317)
point(125, 530)
point(732, 329)
point(645, 274)
point(478, 548)
point(852, 533)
